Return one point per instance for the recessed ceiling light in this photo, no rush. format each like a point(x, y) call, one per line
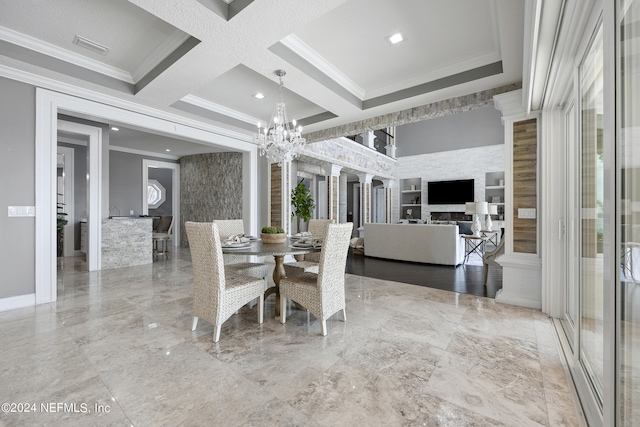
point(115, 129)
point(258, 95)
point(167, 150)
point(395, 38)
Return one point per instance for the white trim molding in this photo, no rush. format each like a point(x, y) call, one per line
point(53, 51)
point(20, 301)
point(521, 277)
point(314, 58)
point(220, 109)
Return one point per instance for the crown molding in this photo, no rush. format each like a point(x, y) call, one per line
point(302, 49)
point(48, 49)
point(217, 108)
point(430, 76)
point(91, 95)
point(170, 44)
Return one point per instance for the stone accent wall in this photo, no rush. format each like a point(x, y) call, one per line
point(424, 112)
point(210, 188)
point(126, 242)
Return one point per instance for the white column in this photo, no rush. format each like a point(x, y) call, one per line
point(388, 185)
point(368, 139)
point(343, 198)
point(522, 272)
point(333, 191)
point(365, 197)
point(286, 196)
point(391, 146)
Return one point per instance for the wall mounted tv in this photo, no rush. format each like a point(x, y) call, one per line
point(450, 192)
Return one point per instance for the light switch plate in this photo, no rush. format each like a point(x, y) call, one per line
point(527, 213)
point(19, 211)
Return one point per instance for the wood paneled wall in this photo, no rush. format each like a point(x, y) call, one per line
point(525, 185)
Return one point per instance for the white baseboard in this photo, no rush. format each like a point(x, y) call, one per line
point(19, 301)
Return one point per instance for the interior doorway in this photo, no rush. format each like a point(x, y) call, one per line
point(65, 202)
point(93, 135)
point(174, 170)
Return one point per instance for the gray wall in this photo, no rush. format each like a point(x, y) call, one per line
point(475, 128)
point(163, 176)
point(125, 181)
point(211, 188)
point(17, 174)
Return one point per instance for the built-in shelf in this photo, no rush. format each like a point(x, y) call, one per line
point(494, 192)
point(411, 198)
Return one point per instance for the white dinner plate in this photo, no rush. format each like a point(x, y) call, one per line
point(233, 248)
point(299, 237)
point(236, 245)
point(304, 245)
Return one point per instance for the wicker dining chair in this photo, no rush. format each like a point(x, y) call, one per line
point(238, 264)
point(323, 293)
point(216, 297)
point(489, 258)
point(318, 229)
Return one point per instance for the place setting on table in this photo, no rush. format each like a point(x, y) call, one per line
point(238, 241)
point(304, 240)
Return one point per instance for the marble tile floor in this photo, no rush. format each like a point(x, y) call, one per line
point(117, 349)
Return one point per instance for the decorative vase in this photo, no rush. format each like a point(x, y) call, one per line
point(273, 238)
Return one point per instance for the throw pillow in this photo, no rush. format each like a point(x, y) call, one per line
point(464, 227)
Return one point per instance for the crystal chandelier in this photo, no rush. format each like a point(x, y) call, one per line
point(278, 142)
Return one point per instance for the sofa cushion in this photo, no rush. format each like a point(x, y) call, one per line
point(464, 227)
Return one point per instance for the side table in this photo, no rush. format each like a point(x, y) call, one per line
point(474, 244)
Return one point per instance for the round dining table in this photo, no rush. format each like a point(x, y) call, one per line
point(278, 251)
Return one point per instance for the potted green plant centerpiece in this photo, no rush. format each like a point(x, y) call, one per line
point(302, 204)
point(273, 235)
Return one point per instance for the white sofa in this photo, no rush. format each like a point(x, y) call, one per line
point(428, 243)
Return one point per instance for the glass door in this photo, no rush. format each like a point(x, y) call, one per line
point(569, 320)
point(590, 218)
point(628, 213)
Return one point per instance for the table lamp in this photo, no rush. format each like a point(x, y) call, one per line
point(476, 209)
point(493, 210)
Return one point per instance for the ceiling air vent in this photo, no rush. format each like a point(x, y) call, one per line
point(91, 45)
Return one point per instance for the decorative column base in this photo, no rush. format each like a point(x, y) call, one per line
point(521, 281)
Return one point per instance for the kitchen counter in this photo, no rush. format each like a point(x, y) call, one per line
point(126, 241)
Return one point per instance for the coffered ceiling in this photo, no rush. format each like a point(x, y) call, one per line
point(205, 59)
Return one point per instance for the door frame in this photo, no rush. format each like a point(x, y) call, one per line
point(94, 187)
point(175, 191)
point(49, 103)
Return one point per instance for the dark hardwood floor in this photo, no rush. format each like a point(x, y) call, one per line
point(465, 278)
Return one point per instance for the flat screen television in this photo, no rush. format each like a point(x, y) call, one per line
point(450, 192)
